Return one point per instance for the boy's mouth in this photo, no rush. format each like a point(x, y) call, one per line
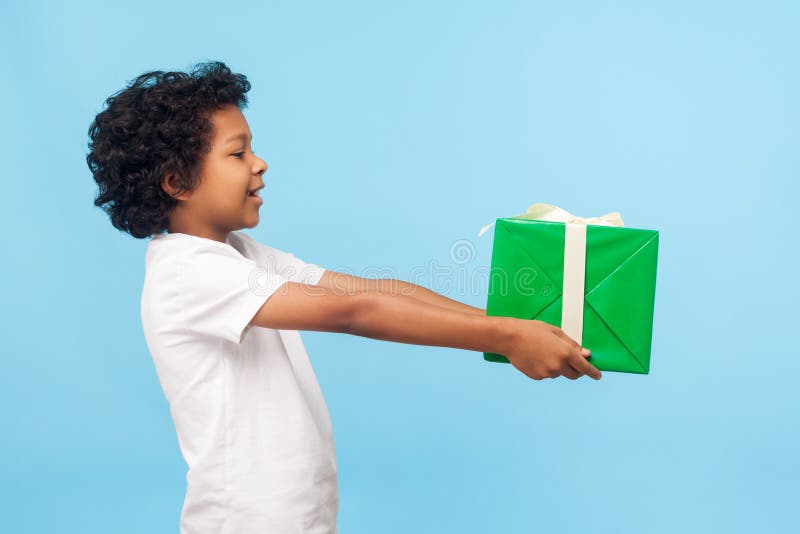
point(254, 195)
point(254, 192)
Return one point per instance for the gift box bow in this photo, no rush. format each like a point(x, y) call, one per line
point(549, 212)
point(629, 322)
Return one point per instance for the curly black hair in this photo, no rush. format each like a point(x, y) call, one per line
point(159, 124)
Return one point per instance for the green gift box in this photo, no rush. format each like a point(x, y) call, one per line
point(593, 278)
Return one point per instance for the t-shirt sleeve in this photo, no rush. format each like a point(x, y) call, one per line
point(220, 292)
point(295, 269)
point(285, 263)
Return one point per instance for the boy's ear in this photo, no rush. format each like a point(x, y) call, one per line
point(168, 184)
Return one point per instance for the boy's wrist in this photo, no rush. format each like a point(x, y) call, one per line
point(505, 331)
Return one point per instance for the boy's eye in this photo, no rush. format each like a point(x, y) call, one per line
point(239, 154)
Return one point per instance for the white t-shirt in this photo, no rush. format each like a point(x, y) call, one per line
point(250, 418)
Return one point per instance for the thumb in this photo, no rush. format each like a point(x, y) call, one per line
point(574, 344)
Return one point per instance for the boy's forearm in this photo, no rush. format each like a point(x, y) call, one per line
point(345, 283)
point(426, 295)
point(395, 286)
point(405, 319)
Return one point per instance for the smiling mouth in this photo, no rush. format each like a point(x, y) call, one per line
point(254, 193)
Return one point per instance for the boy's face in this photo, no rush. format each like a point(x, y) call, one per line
point(230, 171)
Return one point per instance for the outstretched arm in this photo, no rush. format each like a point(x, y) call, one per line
point(347, 283)
point(385, 316)
point(534, 347)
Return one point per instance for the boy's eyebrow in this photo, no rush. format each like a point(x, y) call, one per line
point(243, 136)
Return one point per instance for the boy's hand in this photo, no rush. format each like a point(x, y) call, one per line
point(541, 350)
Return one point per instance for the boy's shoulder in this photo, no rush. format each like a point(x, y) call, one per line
point(178, 253)
point(252, 248)
point(175, 245)
point(259, 251)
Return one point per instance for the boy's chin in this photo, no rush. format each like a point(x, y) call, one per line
point(251, 222)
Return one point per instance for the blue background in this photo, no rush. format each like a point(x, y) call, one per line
point(394, 131)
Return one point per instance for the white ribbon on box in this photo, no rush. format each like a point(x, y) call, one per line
point(574, 258)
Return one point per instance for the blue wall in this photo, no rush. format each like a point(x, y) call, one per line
point(393, 131)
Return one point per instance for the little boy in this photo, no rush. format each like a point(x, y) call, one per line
point(172, 157)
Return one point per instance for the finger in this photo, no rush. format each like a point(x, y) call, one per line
point(585, 368)
point(583, 351)
point(570, 372)
point(572, 343)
